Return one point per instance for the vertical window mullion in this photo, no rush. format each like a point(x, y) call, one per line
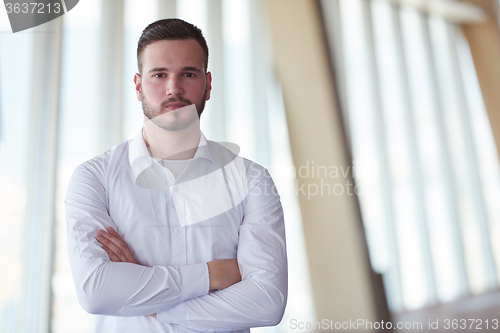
point(40, 215)
point(332, 20)
point(497, 7)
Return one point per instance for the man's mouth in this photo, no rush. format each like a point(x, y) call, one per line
point(175, 106)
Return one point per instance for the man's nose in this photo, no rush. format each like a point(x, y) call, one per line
point(174, 87)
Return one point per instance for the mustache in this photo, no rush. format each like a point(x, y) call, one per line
point(177, 99)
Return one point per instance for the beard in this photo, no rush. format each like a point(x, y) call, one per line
point(175, 120)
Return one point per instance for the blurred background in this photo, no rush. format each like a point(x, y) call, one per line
point(378, 119)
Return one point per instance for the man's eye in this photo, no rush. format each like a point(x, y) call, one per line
point(189, 74)
point(159, 75)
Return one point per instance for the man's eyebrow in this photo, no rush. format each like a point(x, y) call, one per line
point(191, 69)
point(185, 69)
point(157, 69)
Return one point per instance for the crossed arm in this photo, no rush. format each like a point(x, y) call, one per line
point(222, 273)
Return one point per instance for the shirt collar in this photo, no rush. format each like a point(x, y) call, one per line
point(140, 158)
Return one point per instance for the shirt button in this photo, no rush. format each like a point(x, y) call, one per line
point(176, 189)
point(178, 230)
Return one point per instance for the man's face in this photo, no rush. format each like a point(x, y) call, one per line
point(173, 76)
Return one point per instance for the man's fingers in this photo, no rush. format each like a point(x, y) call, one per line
point(113, 241)
point(117, 241)
point(114, 233)
point(110, 248)
point(111, 254)
point(123, 245)
point(112, 244)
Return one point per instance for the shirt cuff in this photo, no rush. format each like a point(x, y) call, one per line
point(195, 283)
point(176, 315)
point(195, 280)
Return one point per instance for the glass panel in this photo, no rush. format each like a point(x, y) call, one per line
point(441, 200)
point(238, 76)
point(429, 166)
point(403, 164)
point(77, 143)
point(360, 102)
point(486, 149)
point(367, 140)
point(15, 67)
point(463, 175)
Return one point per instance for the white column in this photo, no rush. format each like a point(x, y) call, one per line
point(338, 258)
point(215, 117)
point(111, 74)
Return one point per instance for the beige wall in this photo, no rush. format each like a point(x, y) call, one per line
point(484, 42)
point(335, 243)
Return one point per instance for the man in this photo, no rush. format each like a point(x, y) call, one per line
point(170, 232)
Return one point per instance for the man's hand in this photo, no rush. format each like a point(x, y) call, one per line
point(223, 273)
point(115, 246)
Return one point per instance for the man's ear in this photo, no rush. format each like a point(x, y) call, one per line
point(137, 81)
point(209, 84)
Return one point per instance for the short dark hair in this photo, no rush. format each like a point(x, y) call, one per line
point(170, 29)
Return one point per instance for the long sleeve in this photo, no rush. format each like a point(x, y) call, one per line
point(260, 298)
point(118, 289)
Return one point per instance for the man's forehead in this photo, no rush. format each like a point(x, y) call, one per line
point(177, 52)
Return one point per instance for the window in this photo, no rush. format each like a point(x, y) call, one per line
point(78, 141)
point(423, 146)
point(15, 114)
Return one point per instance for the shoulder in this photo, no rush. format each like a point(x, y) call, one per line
point(97, 168)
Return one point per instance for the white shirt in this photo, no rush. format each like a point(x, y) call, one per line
point(176, 167)
point(221, 207)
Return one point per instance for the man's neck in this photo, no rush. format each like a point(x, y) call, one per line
point(171, 145)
